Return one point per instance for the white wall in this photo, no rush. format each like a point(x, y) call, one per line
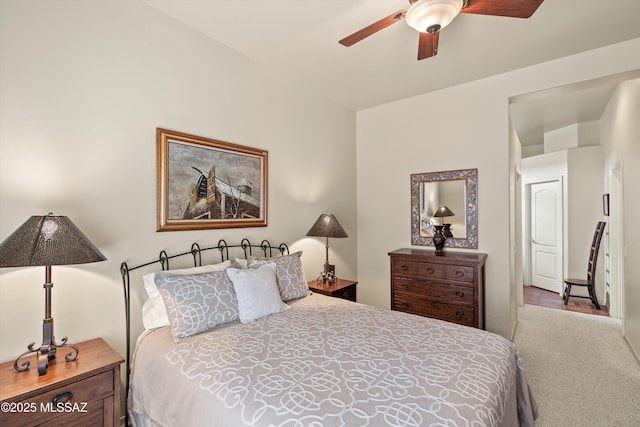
point(83, 86)
point(620, 128)
point(462, 127)
point(584, 204)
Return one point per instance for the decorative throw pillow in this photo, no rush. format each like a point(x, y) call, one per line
point(290, 277)
point(197, 302)
point(154, 314)
point(242, 262)
point(257, 292)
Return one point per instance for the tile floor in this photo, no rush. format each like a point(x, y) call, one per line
point(544, 298)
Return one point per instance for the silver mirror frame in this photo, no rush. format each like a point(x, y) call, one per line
point(470, 176)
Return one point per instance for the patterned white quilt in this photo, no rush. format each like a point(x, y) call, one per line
point(330, 362)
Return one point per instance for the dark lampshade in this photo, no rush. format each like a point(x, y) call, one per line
point(48, 240)
point(327, 226)
point(443, 211)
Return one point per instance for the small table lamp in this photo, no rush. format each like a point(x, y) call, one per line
point(327, 226)
point(46, 241)
point(442, 212)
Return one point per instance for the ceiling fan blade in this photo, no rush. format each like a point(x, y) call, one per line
point(373, 28)
point(511, 8)
point(428, 45)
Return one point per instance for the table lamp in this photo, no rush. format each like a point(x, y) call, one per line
point(46, 241)
point(442, 212)
point(327, 226)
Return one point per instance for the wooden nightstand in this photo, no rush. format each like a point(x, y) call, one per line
point(84, 392)
point(341, 289)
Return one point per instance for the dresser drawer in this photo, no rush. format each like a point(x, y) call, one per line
point(434, 290)
point(460, 273)
point(456, 313)
point(71, 398)
point(423, 270)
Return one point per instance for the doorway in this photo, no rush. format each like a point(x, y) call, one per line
point(544, 229)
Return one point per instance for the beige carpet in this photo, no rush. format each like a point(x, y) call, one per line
point(579, 368)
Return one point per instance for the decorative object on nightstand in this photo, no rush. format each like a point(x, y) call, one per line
point(345, 289)
point(46, 241)
point(327, 226)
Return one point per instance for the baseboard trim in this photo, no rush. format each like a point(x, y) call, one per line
point(635, 353)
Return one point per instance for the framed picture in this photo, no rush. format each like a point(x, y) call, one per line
point(605, 204)
point(204, 183)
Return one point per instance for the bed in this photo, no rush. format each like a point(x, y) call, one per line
point(316, 361)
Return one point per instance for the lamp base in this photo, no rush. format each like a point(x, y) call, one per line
point(47, 350)
point(329, 268)
point(438, 239)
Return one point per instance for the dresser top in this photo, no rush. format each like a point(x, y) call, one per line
point(446, 256)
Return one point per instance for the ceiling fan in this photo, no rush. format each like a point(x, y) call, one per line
point(430, 16)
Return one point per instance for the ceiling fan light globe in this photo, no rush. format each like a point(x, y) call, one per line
point(425, 14)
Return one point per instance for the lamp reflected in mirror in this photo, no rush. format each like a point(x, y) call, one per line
point(444, 212)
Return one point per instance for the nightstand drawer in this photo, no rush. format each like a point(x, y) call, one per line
point(346, 293)
point(434, 290)
point(423, 270)
point(74, 401)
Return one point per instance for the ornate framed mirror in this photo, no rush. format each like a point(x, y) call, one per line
point(457, 191)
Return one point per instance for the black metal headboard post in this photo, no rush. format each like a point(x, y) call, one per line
point(163, 260)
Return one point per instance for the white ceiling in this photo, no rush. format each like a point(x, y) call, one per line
point(299, 39)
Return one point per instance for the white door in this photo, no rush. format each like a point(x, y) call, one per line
point(546, 235)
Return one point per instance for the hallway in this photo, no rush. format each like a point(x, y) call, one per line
point(544, 298)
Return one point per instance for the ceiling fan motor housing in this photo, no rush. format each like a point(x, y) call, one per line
point(430, 16)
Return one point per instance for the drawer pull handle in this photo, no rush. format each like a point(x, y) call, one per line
point(459, 273)
point(404, 267)
point(430, 270)
point(345, 295)
point(459, 294)
point(404, 286)
point(459, 314)
point(64, 397)
point(404, 303)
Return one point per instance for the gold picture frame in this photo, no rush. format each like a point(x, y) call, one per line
point(205, 183)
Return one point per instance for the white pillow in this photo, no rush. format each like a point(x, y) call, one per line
point(154, 313)
point(257, 292)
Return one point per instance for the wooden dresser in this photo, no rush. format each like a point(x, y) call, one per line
point(448, 286)
point(85, 392)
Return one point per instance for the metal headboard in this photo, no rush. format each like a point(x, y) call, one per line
point(267, 250)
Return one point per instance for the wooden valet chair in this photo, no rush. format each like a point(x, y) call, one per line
point(591, 270)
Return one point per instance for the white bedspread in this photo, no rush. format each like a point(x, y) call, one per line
point(330, 362)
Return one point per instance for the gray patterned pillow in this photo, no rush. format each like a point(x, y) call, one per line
point(292, 282)
point(197, 302)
